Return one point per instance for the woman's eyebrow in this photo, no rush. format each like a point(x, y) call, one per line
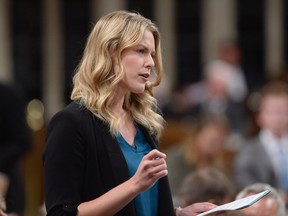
point(146, 48)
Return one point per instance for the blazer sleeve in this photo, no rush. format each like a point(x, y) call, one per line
point(64, 163)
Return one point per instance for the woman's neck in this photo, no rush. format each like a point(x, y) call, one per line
point(117, 106)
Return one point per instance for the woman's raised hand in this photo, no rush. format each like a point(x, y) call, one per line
point(151, 168)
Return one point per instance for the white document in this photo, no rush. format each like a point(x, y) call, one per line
point(237, 204)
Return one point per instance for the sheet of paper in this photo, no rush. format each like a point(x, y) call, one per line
point(237, 204)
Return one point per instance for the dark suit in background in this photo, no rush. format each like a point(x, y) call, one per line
point(253, 165)
point(15, 141)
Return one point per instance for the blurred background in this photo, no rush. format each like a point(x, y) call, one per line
point(41, 42)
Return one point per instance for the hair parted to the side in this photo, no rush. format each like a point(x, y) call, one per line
point(95, 81)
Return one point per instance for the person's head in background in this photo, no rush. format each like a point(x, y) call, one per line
point(206, 144)
point(273, 109)
point(206, 184)
point(229, 51)
point(217, 76)
point(270, 205)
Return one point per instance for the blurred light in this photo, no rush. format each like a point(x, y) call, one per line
point(35, 114)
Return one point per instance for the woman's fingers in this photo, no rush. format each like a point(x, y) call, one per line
point(155, 162)
point(155, 154)
point(152, 167)
point(197, 208)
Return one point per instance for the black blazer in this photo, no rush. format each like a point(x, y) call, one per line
point(82, 161)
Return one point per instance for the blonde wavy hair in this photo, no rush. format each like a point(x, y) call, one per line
point(95, 82)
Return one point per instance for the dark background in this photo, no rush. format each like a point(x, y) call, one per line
point(27, 30)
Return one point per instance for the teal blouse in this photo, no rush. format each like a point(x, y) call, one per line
point(146, 203)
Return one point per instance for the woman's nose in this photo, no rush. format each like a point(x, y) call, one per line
point(150, 61)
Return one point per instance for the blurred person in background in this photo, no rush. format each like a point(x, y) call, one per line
point(15, 141)
point(203, 148)
point(264, 157)
point(228, 64)
point(270, 205)
point(206, 184)
point(222, 90)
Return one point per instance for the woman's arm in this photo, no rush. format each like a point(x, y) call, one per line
point(151, 168)
point(64, 165)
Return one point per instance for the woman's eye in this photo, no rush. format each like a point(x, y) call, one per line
point(141, 51)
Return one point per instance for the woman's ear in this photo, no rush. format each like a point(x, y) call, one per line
point(115, 62)
point(115, 57)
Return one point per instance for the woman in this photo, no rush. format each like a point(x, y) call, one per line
point(101, 156)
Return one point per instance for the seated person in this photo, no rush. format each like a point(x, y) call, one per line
point(206, 184)
point(270, 144)
point(204, 147)
point(270, 205)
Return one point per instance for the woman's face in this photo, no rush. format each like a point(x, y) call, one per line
point(138, 62)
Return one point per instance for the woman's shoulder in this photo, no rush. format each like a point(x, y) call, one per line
point(74, 110)
point(74, 113)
